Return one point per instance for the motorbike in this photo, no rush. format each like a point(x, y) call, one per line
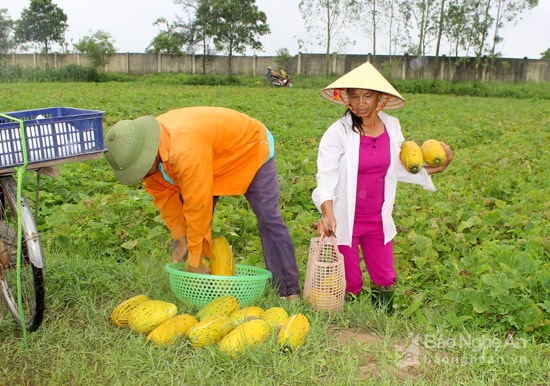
point(279, 78)
point(279, 81)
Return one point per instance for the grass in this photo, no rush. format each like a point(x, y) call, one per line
point(487, 222)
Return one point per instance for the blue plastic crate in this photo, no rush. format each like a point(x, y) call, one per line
point(54, 135)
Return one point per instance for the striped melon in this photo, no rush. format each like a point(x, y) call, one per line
point(170, 330)
point(293, 332)
point(120, 313)
point(248, 334)
point(222, 305)
point(223, 262)
point(210, 330)
point(275, 316)
point(245, 314)
point(146, 316)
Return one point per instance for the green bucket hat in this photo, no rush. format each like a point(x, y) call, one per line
point(132, 146)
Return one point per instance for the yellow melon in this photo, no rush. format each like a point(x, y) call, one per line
point(433, 152)
point(411, 157)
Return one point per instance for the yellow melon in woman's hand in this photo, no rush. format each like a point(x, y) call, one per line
point(411, 157)
point(433, 153)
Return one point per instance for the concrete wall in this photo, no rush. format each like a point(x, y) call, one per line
point(395, 67)
point(446, 68)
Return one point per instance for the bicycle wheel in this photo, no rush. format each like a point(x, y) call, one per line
point(32, 263)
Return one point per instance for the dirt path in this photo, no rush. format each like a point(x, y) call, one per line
point(414, 359)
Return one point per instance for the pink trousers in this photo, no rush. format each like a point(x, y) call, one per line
point(369, 235)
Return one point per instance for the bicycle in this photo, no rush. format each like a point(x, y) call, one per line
point(36, 140)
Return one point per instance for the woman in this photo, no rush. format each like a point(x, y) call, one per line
point(358, 170)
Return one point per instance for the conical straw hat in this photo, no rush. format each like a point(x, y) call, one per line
point(366, 77)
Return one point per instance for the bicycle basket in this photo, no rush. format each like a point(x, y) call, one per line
point(55, 133)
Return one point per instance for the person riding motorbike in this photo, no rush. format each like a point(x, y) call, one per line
point(278, 78)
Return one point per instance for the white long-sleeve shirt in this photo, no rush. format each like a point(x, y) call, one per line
point(337, 168)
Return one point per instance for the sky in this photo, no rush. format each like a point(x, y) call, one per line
point(130, 23)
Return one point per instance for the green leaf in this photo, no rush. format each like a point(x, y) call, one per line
point(530, 316)
point(455, 320)
point(129, 244)
point(545, 306)
point(471, 222)
point(500, 203)
point(63, 241)
point(71, 208)
point(157, 231)
point(412, 309)
point(498, 281)
point(481, 303)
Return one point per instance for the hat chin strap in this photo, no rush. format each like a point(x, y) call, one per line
point(378, 109)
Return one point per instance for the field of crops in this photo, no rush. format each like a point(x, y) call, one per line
point(473, 266)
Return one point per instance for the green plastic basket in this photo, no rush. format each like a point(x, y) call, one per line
point(248, 284)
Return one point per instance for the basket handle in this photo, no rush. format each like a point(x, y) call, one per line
point(321, 242)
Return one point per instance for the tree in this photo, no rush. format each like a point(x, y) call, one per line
point(99, 47)
point(508, 11)
point(440, 26)
point(545, 54)
point(283, 56)
point(382, 15)
point(424, 14)
point(329, 20)
point(6, 30)
point(470, 23)
point(169, 41)
point(43, 23)
point(234, 25)
point(194, 28)
point(198, 33)
point(456, 28)
point(371, 10)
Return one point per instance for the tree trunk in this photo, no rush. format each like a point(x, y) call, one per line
point(422, 30)
point(229, 57)
point(497, 25)
point(439, 34)
point(327, 59)
point(204, 56)
point(374, 27)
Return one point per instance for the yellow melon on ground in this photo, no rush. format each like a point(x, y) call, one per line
point(210, 330)
point(246, 314)
point(247, 334)
point(293, 332)
point(120, 313)
point(170, 330)
point(222, 305)
point(275, 316)
point(150, 314)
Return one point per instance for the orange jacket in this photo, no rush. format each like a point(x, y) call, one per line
point(206, 152)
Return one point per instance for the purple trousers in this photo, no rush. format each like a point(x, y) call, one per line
point(277, 245)
point(368, 235)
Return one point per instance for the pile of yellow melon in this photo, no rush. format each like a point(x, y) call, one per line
point(221, 322)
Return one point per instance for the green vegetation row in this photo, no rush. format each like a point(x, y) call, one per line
point(76, 73)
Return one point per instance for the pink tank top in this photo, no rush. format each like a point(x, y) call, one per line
point(374, 160)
